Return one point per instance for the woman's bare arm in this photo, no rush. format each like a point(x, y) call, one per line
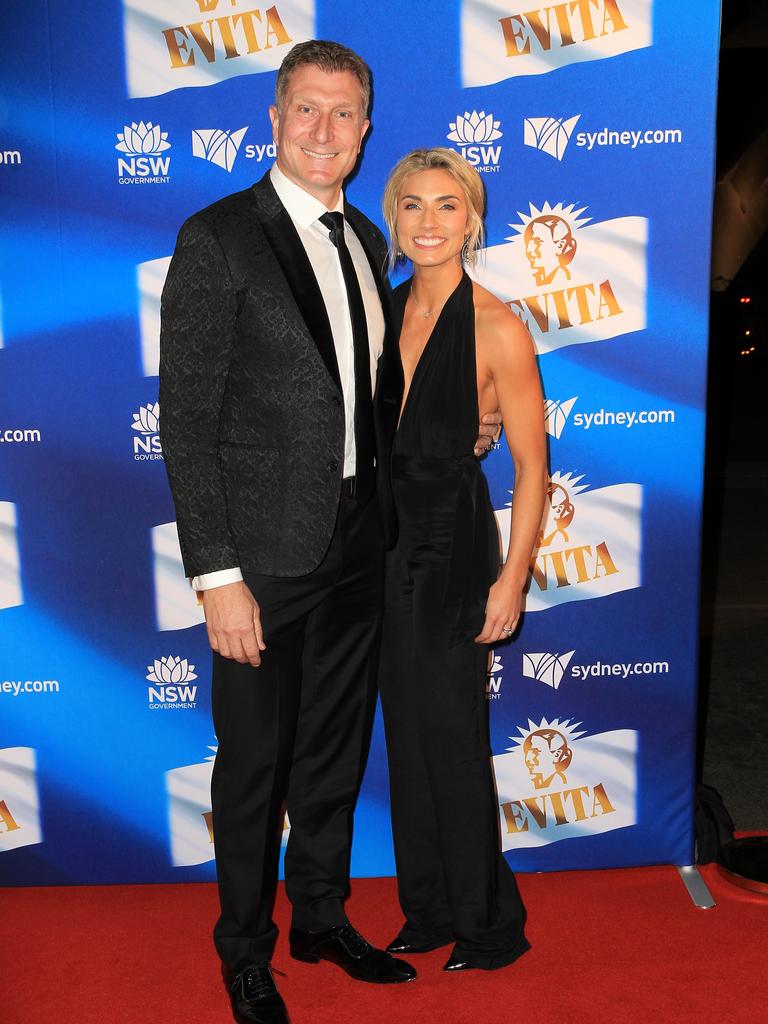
point(507, 359)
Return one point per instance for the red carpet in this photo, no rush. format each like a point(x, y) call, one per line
point(608, 946)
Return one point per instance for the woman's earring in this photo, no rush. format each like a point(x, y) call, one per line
point(465, 250)
point(400, 255)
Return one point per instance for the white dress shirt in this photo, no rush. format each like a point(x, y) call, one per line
point(304, 210)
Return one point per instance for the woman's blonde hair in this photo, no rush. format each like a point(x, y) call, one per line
point(463, 174)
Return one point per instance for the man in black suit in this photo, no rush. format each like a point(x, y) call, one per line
point(280, 389)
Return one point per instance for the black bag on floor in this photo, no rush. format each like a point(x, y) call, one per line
point(714, 825)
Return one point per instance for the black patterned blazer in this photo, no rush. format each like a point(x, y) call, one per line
point(251, 407)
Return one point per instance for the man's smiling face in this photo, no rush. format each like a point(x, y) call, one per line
point(319, 130)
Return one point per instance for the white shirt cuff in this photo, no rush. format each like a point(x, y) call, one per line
point(220, 578)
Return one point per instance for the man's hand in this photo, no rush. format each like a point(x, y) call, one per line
point(233, 620)
point(490, 431)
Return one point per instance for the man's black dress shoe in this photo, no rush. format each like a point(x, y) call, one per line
point(344, 946)
point(255, 999)
point(455, 963)
point(400, 946)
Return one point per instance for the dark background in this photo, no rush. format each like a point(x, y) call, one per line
point(734, 608)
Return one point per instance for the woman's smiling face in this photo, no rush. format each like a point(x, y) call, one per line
point(432, 218)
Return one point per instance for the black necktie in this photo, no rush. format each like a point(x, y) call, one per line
point(364, 429)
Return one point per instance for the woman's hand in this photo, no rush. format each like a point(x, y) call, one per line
point(502, 612)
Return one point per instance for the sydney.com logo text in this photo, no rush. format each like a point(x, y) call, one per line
point(551, 135)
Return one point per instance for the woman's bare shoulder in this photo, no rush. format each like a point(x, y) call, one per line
point(495, 323)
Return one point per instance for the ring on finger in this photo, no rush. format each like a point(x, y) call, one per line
point(507, 630)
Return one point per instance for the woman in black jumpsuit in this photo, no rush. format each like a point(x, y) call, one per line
point(453, 881)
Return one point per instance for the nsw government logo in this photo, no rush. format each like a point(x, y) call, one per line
point(557, 782)
point(217, 146)
point(146, 441)
point(493, 686)
point(474, 133)
point(144, 145)
point(171, 677)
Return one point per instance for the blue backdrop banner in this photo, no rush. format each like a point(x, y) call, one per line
point(592, 123)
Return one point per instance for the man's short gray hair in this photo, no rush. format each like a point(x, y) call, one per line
point(329, 57)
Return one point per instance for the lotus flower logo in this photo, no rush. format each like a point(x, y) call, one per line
point(170, 670)
point(146, 419)
point(473, 128)
point(142, 139)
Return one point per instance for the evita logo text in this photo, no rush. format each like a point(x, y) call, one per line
point(224, 37)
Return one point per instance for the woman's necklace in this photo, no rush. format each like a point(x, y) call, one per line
point(426, 313)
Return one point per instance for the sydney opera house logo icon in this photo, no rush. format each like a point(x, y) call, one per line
point(549, 134)
point(547, 668)
point(217, 146)
point(142, 139)
point(556, 415)
point(558, 782)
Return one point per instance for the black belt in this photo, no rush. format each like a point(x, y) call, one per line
point(348, 487)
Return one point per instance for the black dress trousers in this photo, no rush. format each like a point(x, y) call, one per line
point(295, 731)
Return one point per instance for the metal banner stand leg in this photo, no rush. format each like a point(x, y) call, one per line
point(696, 886)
